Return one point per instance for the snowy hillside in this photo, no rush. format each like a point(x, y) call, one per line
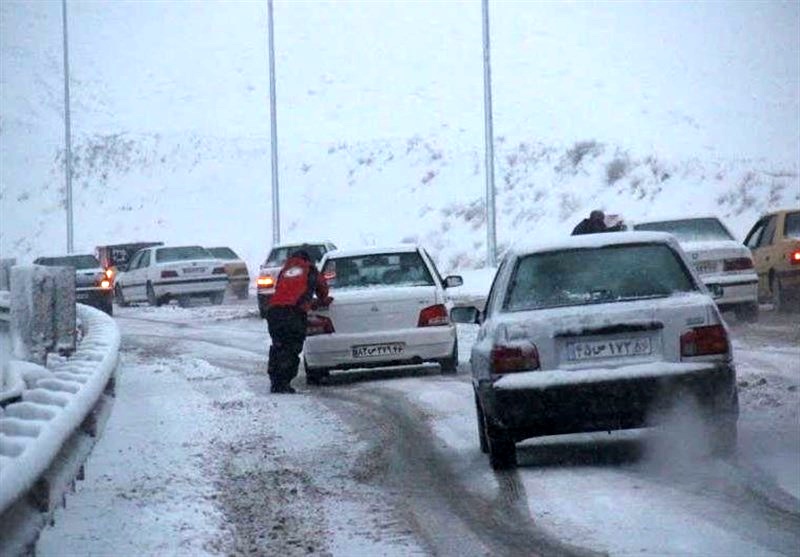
point(193, 189)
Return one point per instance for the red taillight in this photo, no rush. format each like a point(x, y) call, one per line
point(738, 264)
point(318, 325)
point(329, 275)
point(169, 274)
point(109, 274)
point(265, 282)
point(218, 271)
point(794, 257)
point(508, 359)
point(704, 341)
point(432, 316)
point(105, 284)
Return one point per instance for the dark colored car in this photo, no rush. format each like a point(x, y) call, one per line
point(117, 256)
point(93, 283)
point(236, 269)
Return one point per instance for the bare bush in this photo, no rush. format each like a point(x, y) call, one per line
point(617, 169)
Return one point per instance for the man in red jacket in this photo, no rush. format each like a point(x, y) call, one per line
point(295, 288)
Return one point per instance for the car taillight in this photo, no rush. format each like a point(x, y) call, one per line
point(738, 264)
point(794, 257)
point(169, 274)
point(265, 281)
point(218, 271)
point(508, 359)
point(432, 316)
point(109, 274)
point(105, 284)
point(318, 325)
point(704, 341)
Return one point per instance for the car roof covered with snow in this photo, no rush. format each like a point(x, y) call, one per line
point(589, 241)
point(371, 250)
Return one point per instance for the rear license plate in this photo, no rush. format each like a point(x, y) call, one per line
point(591, 350)
point(82, 296)
point(378, 350)
point(706, 267)
point(191, 270)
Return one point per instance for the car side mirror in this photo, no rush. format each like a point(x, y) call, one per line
point(452, 281)
point(465, 314)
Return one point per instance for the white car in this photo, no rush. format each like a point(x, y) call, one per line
point(268, 272)
point(389, 308)
point(725, 265)
point(159, 274)
point(597, 333)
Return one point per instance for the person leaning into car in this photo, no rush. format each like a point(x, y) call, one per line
point(298, 282)
point(596, 223)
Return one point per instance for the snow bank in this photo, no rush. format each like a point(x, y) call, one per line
point(56, 399)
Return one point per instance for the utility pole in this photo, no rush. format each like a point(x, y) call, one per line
point(67, 130)
point(276, 222)
point(491, 233)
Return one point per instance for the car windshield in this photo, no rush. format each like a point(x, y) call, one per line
point(223, 253)
point(792, 226)
point(689, 230)
point(386, 269)
point(76, 261)
point(278, 256)
point(596, 275)
point(165, 255)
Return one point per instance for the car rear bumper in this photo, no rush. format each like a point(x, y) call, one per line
point(733, 289)
point(560, 402)
point(184, 287)
point(420, 345)
point(95, 297)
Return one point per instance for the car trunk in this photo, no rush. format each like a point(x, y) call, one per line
point(88, 277)
point(708, 257)
point(190, 268)
point(361, 310)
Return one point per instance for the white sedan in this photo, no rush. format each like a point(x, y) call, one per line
point(159, 274)
point(725, 265)
point(597, 333)
point(389, 308)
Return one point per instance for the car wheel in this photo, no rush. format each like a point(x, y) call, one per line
point(502, 450)
point(263, 306)
point(724, 438)
point(450, 365)
point(481, 426)
point(243, 294)
point(108, 307)
point(184, 301)
point(780, 297)
point(151, 296)
point(120, 297)
point(747, 312)
point(217, 298)
point(314, 376)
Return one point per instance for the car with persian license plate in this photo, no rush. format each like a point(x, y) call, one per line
point(93, 283)
point(597, 333)
point(725, 266)
point(390, 308)
point(159, 274)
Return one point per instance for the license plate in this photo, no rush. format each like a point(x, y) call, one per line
point(190, 270)
point(591, 350)
point(82, 296)
point(378, 350)
point(706, 267)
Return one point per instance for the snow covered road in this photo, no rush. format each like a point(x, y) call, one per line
point(199, 458)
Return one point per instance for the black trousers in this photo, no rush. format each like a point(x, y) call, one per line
point(287, 327)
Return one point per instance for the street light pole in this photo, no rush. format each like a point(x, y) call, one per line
point(491, 233)
point(276, 224)
point(67, 130)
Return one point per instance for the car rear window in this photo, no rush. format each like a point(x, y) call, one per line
point(386, 269)
point(165, 255)
point(596, 275)
point(76, 261)
point(223, 253)
point(792, 225)
point(278, 256)
point(689, 230)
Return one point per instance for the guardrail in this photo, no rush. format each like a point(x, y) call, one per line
point(49, 429)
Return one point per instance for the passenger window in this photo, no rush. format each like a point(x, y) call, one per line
point(769, 232)
point(493, 294)
point(755, 235)
point(135, 262)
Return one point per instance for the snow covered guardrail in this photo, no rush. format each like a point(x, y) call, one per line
point(47, 432)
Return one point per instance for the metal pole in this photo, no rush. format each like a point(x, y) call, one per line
point(276, 223)
point(67, 130)
point(491, 233)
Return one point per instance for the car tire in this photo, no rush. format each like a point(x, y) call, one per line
point(217, 298)
point(184, 301)
point(243, 294)
point(107, 306)
point(450, 365)
point(502, 450)
point(151, 296)
point(263, 306)
point(120, 297)
point(780, 298)
point(482, 440)
point(315, 375)
point(747, 313)
point(724, 438)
